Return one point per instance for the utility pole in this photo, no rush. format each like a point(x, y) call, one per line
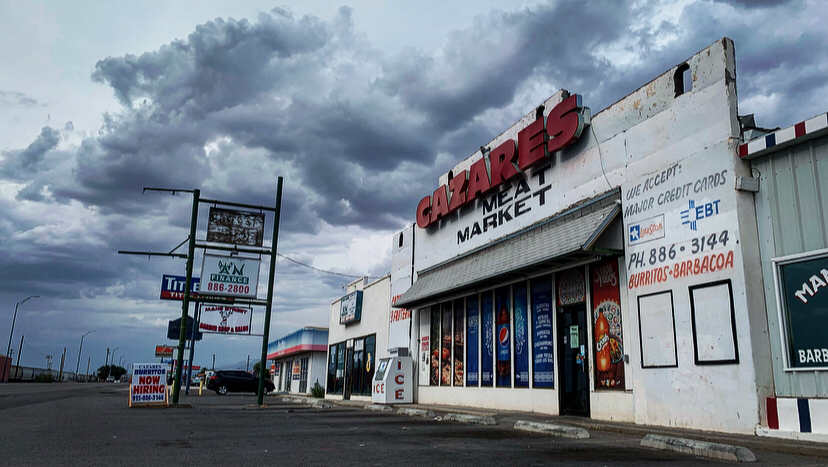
point(213, 367)
point(19, 352)
point(62, 360)
point(80, 348)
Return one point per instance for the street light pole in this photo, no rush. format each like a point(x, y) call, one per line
point(77, 367)
point(111, 362)
point(14, 318)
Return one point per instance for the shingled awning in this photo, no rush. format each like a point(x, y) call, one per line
point(567, 238)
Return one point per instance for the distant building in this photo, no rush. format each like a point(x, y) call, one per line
point(297, 360)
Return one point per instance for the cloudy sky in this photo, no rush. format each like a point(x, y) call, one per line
point(359, 106)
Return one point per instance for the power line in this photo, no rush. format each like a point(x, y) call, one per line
point(34, 349)
point(323, 270)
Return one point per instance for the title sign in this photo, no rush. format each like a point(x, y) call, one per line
point(225, 319)
point(534, 145)
point(230, 276)
point(235, 227)
point(149, 385)
point(172, 287)
point(350, 308)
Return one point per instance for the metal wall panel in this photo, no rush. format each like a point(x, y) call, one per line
point(792, 216)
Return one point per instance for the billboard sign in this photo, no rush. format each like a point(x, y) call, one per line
point(230, 276)
point(225, 319)
point(351, 308)
point(162, 351)
point(172, 287)
point(235, 227)
point(174, 329)
point(149, 385)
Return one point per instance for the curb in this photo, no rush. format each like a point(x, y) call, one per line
point(322, 405)
point(416, 413)
point(463, 418)
point(725, 452)
point(553, 430)
point(377, 408)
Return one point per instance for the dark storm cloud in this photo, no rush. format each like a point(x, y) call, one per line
point(29, 160)
point(754, 3)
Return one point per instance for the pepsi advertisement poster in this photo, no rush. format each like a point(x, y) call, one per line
point(473, 331)
point(521, 341)
point(504, 346)
point(542, 340)
point(487, 355)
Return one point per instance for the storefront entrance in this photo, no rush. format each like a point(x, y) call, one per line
point(572, 363)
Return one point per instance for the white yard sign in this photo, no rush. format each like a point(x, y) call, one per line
point(149, 385)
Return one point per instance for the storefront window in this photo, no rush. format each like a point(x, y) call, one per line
point(459, 338)
point(340, 368)
point(487, 354)
point(303, 376)
point(370, 360)
point(435, 345)
point(607, 335)
point(543, 363)
point(504, 344)
point(803, 290)
point(472, 341)
point(445, 355)
point(521, 337)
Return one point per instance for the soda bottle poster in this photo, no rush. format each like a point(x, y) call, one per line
point(606, 315)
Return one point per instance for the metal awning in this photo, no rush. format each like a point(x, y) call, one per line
point(567, 238)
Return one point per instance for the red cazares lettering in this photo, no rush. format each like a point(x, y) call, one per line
point(457, 188)
point(564, 125)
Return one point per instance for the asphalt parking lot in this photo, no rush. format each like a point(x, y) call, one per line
point(80, 424)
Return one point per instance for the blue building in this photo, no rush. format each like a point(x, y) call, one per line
point(297, 360)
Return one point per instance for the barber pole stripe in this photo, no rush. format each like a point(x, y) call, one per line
point(810, 128)
point(798, 415)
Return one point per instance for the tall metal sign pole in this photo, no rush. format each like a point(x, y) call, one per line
point(185, 306)
point(272, 273)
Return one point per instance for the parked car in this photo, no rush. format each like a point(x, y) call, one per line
point(110, 379)
point(225, 381)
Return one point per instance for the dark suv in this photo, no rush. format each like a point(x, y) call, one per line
point(236, 381)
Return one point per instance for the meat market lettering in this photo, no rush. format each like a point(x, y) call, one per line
point(541, 138)
point(511, 203)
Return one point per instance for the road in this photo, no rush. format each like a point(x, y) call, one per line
point(90, 424)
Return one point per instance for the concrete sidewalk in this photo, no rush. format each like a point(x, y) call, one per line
point(508, 419)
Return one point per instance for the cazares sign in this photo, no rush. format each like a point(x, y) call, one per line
point(535, 143)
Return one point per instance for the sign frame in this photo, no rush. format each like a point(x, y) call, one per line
point(221, 276)
point(782, 309)
point(350, 307)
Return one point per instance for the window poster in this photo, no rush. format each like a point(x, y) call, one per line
point(435, 345)
point(606, 315)
point(472, 341)
point(487, 353)
point(458, 342)
point(445, 362)
point(504, 345)
point(543, 363)
point(521, 337)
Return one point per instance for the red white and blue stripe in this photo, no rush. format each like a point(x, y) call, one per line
point(794, 134)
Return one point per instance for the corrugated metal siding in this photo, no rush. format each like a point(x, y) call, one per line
point(792, 216)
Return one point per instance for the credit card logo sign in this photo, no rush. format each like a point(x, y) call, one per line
point(646, 230)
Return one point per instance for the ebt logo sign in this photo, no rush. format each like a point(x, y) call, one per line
point(696, 212)
point(646, 230)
